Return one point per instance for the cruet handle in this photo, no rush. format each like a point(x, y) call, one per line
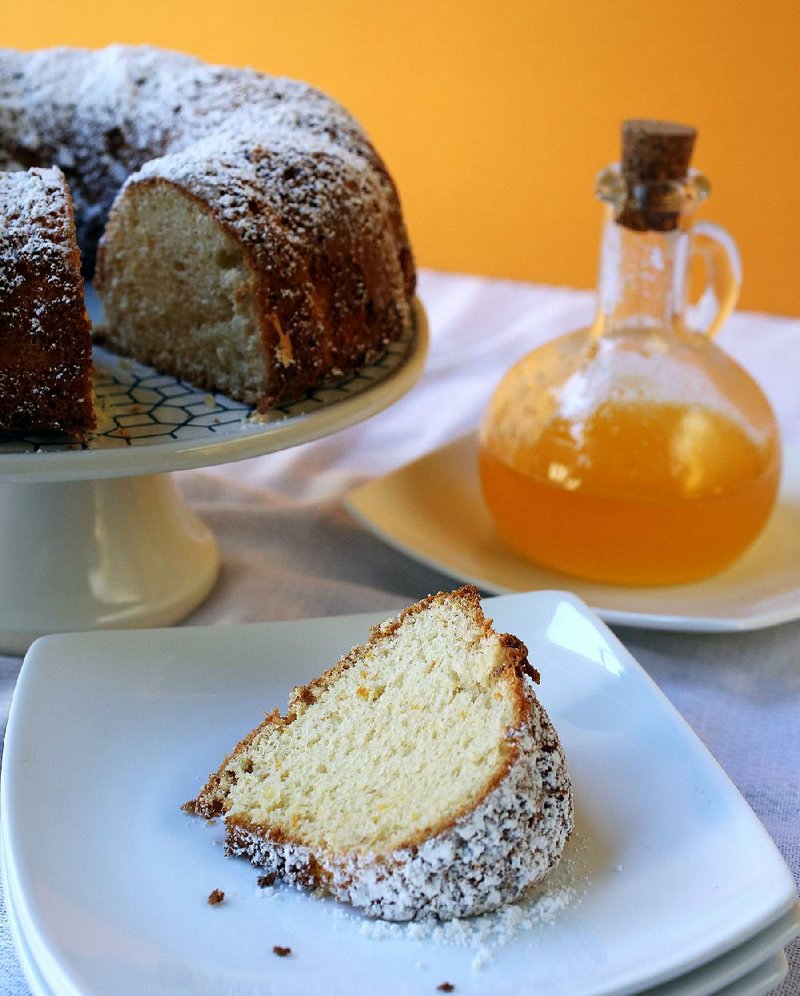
point(723, 264)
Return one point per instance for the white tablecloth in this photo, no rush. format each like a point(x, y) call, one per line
point(289, 549)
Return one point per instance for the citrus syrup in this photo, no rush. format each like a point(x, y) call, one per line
point(636, 451)
point(642, 493)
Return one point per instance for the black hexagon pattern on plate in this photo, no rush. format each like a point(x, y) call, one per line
point(137, 406)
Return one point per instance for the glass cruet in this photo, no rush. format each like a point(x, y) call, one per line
point(636, 451)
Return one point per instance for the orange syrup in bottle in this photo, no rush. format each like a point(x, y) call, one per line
point(650, 493)
point(636, 451)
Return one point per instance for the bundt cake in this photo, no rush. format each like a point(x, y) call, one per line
point(418, 777)
point(45, 335)
point(241, 229)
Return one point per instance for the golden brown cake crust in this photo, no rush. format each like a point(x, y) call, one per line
point(208, 802)
point(281, 167)
point(516, 666)
point(490, 855)
point(45, 335)
point(499, 843)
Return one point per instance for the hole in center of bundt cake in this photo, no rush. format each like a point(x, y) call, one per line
point(178, 292)
point(394, 744)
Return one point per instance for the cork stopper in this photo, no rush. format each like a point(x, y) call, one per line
point(654, 155)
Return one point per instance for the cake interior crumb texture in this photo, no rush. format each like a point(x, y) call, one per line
point(240, 229)
point(418, 777)
point(196, 284)
point(404, 738)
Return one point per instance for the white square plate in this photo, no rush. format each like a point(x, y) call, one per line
point(110, 732)
point(753, 968)
point(414, 510)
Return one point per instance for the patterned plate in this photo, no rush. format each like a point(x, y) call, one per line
point(149, 422)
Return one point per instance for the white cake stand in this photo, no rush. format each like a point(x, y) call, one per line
point(95, 535)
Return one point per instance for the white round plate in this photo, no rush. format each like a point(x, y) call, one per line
point(433, 510)
point(150, 422)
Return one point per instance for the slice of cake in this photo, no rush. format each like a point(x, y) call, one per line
point(45, 334)
point(418, 777)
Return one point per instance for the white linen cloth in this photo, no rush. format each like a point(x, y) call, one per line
point(290, 550)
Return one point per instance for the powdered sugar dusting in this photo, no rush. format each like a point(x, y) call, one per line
point(103, 115)
point(34, 220)
point(487, 858)
point(486, 933)
point(282, 167)
point(487, 854)
point(538, 910)
point(42, 315)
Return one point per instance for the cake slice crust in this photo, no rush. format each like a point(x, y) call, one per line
point(418, 776)
point(45, 333)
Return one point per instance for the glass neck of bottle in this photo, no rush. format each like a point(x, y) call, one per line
point(644, 259)
point(642, 282)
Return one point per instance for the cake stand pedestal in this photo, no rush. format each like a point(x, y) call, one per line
point(96, 535)
point(99, 554)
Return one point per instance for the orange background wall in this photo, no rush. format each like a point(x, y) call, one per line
point(495, 115)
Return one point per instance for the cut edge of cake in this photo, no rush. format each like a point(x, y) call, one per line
point(323, 277)
point(507, 833)
point(46, 363)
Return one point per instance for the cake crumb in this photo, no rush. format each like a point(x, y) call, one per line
point(215, 897)
point(446, 987)
point(281, 952)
